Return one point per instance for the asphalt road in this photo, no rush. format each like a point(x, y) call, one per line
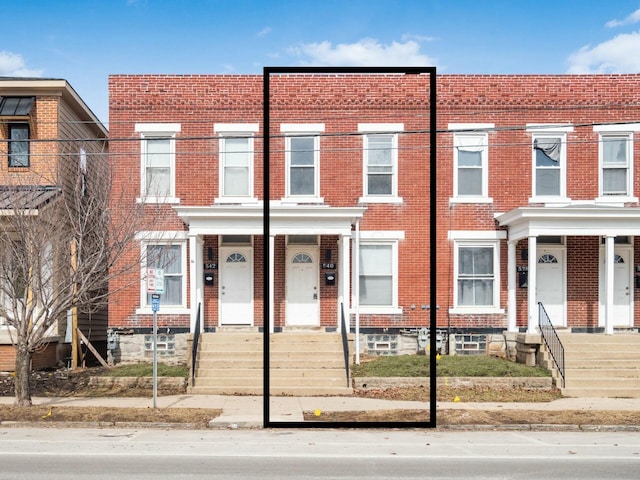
point(71, 454)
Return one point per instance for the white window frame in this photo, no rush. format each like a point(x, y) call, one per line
point(476, 131)
point(482, 239)
point(541, 131)
point(163, 238)
point(626, 130)
point(386, 238)
point(236, 130)
point(150, 131)
point(312, 130)
point(371, 129)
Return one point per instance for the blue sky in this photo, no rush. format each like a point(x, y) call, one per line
point(84, 41)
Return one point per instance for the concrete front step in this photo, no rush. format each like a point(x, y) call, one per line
point(608, 392)
point(275, 391)
point(231, 363)
point(603, 372)
point(599, 382)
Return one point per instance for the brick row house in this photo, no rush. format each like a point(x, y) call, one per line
point(537, 201)
point(49, 139)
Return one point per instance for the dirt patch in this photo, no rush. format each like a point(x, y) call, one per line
point(481, 417)
point(64, 383)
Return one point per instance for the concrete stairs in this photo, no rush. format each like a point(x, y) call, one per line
point(598, 365)
point(304, 363)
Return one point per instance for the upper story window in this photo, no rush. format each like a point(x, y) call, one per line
point(158, 161)
point(615, 155)
point(302, 158)
point(470, 162)
point(380, 162)
point(236, 162)
point(549, 162)
point(19, 139)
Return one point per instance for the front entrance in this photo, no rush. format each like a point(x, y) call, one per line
point(550, 284)
point(622, 314)
point(302, 287)
point(236, 286)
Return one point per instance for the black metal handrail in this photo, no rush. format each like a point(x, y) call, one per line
point(194, 347)
point(345, 343)
point(551, 340)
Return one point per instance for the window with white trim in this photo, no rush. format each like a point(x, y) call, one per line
point(170, 257)
point(378, 272)
point(302, 157)
point(476, 270)
point(380, 162)
point(615, 165)
point(549, 162)
point(158, 161)
point(236, 149)
point(470, 154)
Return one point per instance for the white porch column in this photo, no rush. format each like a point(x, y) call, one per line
point(511, 286)
point(195, 280)
point(272, 244)
point(532, 299)
point(609, 248)
point(343, 279)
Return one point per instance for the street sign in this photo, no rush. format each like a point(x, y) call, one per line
point(155, 280)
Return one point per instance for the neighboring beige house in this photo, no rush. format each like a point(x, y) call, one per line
point(43, 125)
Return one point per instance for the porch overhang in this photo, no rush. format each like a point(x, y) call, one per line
point(577, 220)
point(284, 219)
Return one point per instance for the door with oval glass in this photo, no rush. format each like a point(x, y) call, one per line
point(303, 295)
point(236, 286)
point(550, 284)
point(622, 287)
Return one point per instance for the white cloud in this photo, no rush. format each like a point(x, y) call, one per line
point(366, 52)
point(629, 20)
point(618, 55)
point(264, 32)
point(12, 65)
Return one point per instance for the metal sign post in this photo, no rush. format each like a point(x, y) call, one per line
point(155, 286)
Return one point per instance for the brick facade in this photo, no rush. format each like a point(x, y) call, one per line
point(505, 108)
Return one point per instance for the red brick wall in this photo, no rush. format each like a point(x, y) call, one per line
point(340, 103)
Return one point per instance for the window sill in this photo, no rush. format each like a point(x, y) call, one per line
point(374, 199)
point(615, 201)
point(476, 310)
point(470, 199)
point(235, 201)
point(301, 200)
point(379, 310)
point(164, 310)
point(549, 200)
point(169, 200)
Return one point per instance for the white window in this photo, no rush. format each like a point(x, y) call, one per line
point(158, 161)
point(378, 272)
point(549, 163)
point(171, 257)
point(236, 162)
point(615, 160)
point(476, 266)
point(380, 162)
point(302, 157)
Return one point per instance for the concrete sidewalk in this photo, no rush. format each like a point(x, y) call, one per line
point(247, 411)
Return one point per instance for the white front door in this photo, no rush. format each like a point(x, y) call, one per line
point(236, 286)
point(622, 314)
point(550, 284)
point(302, 287)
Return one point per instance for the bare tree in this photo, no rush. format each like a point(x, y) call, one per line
point(62, 239)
